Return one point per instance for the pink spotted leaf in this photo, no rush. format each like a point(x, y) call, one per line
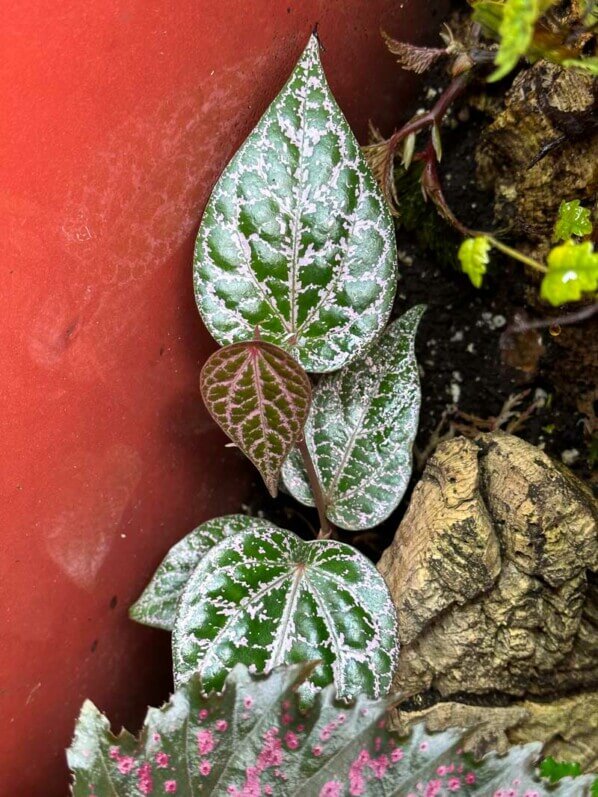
point(260, 396)
point(253, 740)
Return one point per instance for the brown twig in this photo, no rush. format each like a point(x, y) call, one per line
point(436, 438)
point(510, 418)
point(583, 314)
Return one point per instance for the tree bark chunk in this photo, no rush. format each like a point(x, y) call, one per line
point(489, 573)
point(541, 148)
point(568, 727)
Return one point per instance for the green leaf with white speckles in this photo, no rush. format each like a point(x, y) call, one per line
point(254, 740)
point(157, 605)
point(296, 238)
point(361, 429)
point(260, 396)
point(265, 598)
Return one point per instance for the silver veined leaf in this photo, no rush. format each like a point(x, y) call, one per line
point(265, 597)
point(158, 603)
point(296, 238)
point(254, 739)
point(260, 396)
point(360, 431)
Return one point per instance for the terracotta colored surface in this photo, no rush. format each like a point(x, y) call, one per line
point(119, 116)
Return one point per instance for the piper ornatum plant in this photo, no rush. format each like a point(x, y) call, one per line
point(295, 271)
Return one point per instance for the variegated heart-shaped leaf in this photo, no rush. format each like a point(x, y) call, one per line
point(361, 429)
point(260, 397)
point(296, 237)
point(265, 597)
point(254, 739)
point(157, 605)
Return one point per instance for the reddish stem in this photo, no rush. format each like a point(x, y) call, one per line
point(432, 117)
point(432, 187)
point(326, 529)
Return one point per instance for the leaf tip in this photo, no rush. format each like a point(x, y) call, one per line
point(418, 311)
point(311, 53)
point(272, 485)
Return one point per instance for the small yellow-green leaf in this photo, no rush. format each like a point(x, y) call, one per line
point(437, 141)
point(516, 31)
point(586, 64)
point(408, 150)
point(260, 397)
point(572, 271)
point(474, 258)
point(572, 220)
point(488, 14)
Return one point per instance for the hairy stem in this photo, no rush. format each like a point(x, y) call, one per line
point(326, 529)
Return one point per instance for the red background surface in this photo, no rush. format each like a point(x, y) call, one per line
point(117, 118)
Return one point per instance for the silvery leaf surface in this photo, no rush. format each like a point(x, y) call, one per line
point(265, 597)
point(158, 603)
point(296, 238)
point(360, 431)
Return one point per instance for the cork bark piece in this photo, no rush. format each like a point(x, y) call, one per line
point(490, 571)
point(568, 726)
point(493, 573)
point(545, 136)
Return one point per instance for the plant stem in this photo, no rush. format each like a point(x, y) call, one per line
point(515, 254)
point(326, 529)
point(433, 189)
point(432, 117)
point(583, 314)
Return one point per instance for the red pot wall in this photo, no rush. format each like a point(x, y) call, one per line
point(119, 117)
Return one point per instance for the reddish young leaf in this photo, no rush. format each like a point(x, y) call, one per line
point(260, 397)
point(415, 59)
